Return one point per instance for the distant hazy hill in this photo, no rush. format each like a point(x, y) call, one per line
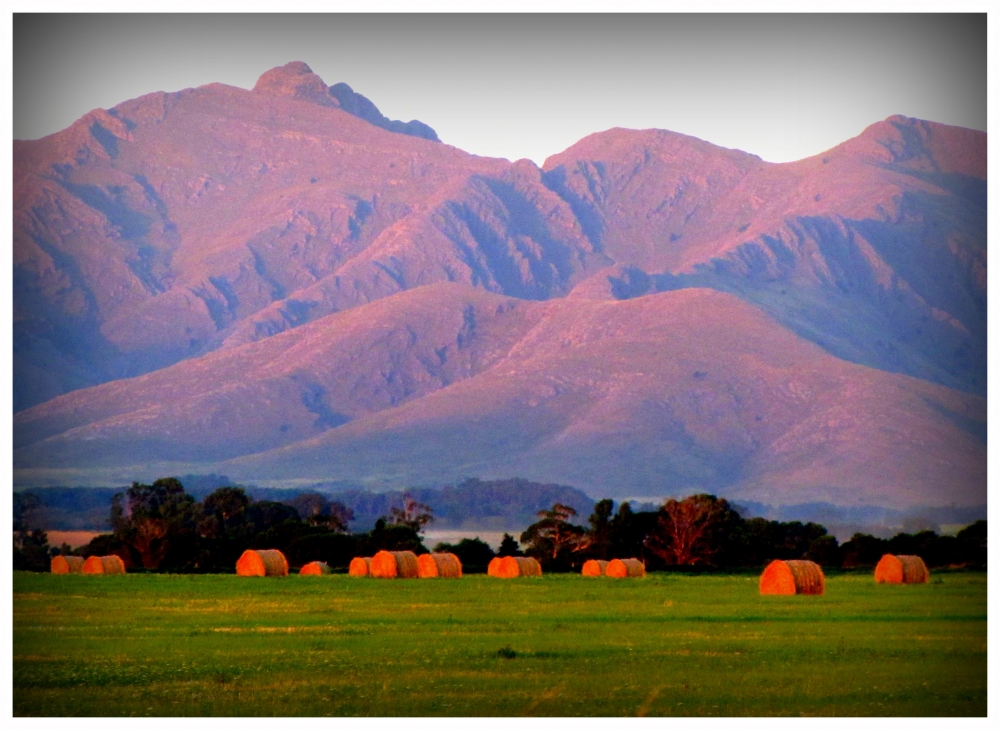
point(507, 504)
point(504, 505)
point(309, 291)
point(510, 504)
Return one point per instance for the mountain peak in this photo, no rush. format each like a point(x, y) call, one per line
point(297, 80)
point(281, 78)
point(921, 145)
point(290, 69)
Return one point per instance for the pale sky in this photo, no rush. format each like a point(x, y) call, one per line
point(782, 87)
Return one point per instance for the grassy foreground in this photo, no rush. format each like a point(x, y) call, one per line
point(558, 645)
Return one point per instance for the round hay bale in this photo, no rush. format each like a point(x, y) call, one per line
point(316, 567)
point(492, 570)
point(360, 567)
point(262, 563)
point(104, 565)
point(439, 565)
point(511, 567)
point(530, 567)
point(398, 564)
point(64, 564)
point(594, 567)
point(626, 568)
point(790, 577)
point(901, 569)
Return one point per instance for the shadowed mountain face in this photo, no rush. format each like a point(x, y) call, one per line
point(692, 388)
point(875, 250)
point(176, 224)
point(307, 289)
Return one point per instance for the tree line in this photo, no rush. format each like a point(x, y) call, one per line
point(159, 527)
point(705, 532)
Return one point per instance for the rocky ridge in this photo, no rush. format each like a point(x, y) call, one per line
point(290, 246)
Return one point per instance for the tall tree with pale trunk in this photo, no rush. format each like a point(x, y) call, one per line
point(688, 530)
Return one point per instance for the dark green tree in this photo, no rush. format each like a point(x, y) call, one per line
point(316, 509)
point(104, 545)
point(228, 504)
point(264, 515)
point(629, 531)
point(474, 554)
point(317, 542)
point(693, 531)
point(224, 514)
point(972, 544)
point(157, 525)
point(553, 539)
point(863, 549)
point(275, 526)
point(509, 547)
point(385, 536)
point(224, 528)
point(798, 538)
point(968, 547)
point(31, 550)
point(597, 541)
point(31, 545)
point(756, 541)
point(825, 551)
point(936, 550)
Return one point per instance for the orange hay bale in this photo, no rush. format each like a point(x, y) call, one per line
point(63, 564)
point(529, 567)
point(262, 563)
point(104, 565)
point(510, 567)
point(594, 567)
point(316, 567)
point(493, 568)
point(400, 564)
point(901, 569)
point(789, 577)
point(626, 568)
point(439, 565)
point(360, 567)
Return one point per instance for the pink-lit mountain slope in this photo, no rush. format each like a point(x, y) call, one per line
point(282, 389)
point(281, 284)
point(178, 223)
point(876, 249)
point(677, 391)
point(690, 389)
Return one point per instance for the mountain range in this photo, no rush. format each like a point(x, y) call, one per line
point(285, 286)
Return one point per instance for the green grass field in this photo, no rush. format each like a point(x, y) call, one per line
point(667, 644)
